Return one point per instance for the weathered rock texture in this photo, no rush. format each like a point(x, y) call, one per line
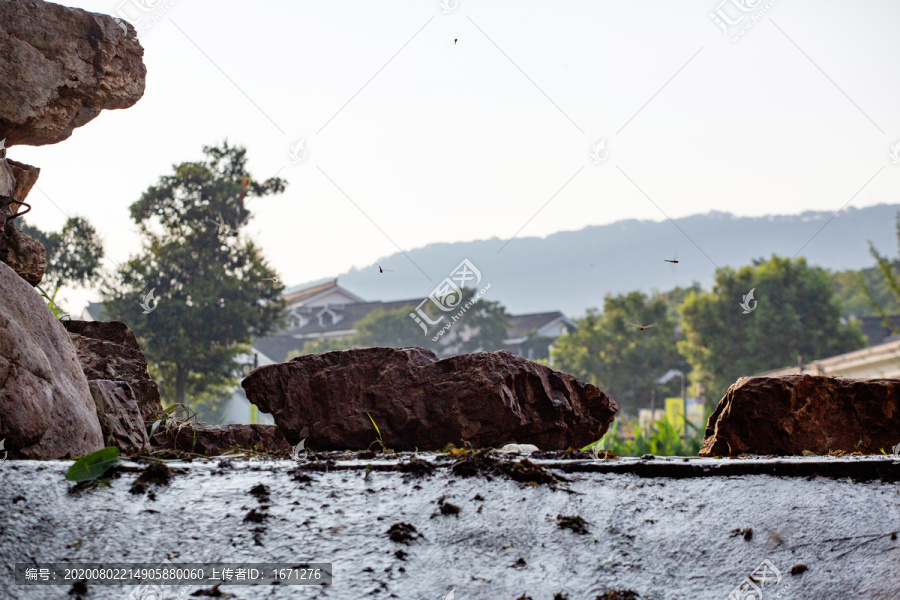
point(23, 254)
point(221, 439)
point(418, 401)
point(46, 409)
point(59, 67)
point(109, 350)
point(119, 415)
point(787, 415)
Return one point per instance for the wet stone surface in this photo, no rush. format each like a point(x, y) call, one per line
point(647, 528)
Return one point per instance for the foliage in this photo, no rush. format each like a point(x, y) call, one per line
point(93, 465)
point(863, 293)
point(213, 288)
point(796, 315)
point(73, 255)
point(882, 290)
point(619, 358)
point(662, 439)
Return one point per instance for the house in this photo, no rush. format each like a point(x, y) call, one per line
point(881, 361)
point(328, 310)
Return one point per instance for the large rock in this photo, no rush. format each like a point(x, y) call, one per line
point(59, 67)
point(46, 409)
point(789, 414)
point(109, 350)
point(418, 401)
point(120, 417)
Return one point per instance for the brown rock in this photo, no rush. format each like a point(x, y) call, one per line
point(220, 439)
point(119, 415)
point(109, 350)
point(795, 413)
point(418, 401)
point(46, 409)
point(59, 67)
point(23, 254)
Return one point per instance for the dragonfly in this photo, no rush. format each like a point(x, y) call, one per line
point(381, 270)
point(642, 327)
point(672, 261)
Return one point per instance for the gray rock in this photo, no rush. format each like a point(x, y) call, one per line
point(119, 415)
point(109, 350)
point(59, 67)
point(46, 409)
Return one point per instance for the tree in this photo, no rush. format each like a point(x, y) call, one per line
point(199, 290)
point(881, 288)
point(617, 357)
point(794, 313)
point(73, 255)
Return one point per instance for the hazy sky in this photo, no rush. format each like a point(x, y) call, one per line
point(412, 138)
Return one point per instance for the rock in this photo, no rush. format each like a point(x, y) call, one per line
point(59, 67)
point(526, 449)
point(109, 350)
point(22, 253)
point(119, 415)
point(418, 401)
point(46, 409)
point(795, 413)
point(220, 439)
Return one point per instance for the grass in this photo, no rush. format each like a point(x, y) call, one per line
point(661, 439)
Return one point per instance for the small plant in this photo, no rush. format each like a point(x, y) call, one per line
point(378, 439)
point(93, 465)
point(170, 419)
point(661, 439)
point(58, 312)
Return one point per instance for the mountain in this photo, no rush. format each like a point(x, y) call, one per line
point(573, 270)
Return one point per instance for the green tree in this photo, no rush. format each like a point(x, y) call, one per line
point(796, 314)
point(213, 287)
point(880, 286)
point(619, 358)
point(73, 255)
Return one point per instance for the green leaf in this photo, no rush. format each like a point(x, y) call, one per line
point(93, 465)
point(154, 427)
point(378, 431)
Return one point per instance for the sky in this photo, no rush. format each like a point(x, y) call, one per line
point(399, 124)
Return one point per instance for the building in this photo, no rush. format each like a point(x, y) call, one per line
point(330, 311)
point(881, 361)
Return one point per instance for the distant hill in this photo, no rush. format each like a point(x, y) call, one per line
point(573, 270)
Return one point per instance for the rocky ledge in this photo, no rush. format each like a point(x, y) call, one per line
point(419, 402)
